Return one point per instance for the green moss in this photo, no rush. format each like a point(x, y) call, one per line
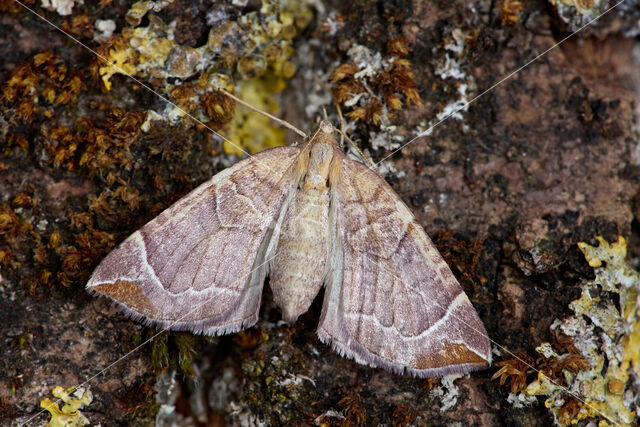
point(160, 352)
point(175, 349)
point(186, 344)
point(136, 339)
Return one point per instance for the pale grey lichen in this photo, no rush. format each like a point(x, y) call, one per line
point(447, 392)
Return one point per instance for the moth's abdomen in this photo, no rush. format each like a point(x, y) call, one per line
point(298, 268)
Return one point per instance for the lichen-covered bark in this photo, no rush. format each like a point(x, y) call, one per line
point(505, 187)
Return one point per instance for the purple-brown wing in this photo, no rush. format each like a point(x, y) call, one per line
point(391, 300)
point(200, 265)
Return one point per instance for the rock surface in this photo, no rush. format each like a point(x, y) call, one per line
point(506, 187)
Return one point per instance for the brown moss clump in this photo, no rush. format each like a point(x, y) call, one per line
point(102, 166)
point(515, 372)
point(390, 88)
point(510, 12)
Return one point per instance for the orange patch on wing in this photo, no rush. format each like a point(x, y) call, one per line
point(452, 354)
point(128, 293)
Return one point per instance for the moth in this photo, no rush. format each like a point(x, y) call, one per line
point(308, 216)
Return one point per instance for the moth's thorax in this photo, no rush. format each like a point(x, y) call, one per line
point(319, 165)
point(302, 252)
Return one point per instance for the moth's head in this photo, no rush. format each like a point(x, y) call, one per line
point(326, 127)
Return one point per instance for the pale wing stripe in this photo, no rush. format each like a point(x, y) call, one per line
point(145, 259)
point(137, 237)
point(459, 300)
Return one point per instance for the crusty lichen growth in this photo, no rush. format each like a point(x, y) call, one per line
point(69, 415)
point(609, 341)
point(613, 274)
point(577, 13)
point(253, 50)
point(252, 44)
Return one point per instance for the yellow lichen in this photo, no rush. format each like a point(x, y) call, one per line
point(542, 386)
point(611, 253)
point(616, 276)
point(611, 339)
point(258, 42)
point(252, 130)
point(143, 53)
point(579, 4)
point(254, 51)
point(577, 12)
point(69, 415)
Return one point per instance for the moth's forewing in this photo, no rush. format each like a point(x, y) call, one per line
point(200, 265)
point(391, 300)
